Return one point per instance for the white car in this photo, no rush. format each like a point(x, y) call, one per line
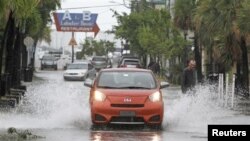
point(77, 71)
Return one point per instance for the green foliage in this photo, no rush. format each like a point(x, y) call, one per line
point(101, 48)
point(23, 9)
point(183, 11)
point(150, 32)
point(216, 21)
point(30, 14)
point(243, 18)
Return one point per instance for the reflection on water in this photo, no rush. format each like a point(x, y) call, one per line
point(125, 136)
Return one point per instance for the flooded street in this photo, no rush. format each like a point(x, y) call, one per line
point(58, 110)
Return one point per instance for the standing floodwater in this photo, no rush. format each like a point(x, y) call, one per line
point(59, 110)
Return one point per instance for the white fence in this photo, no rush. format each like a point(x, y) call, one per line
point(226, 93)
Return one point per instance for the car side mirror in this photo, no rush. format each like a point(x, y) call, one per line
point(88, 83)
point(164, 85)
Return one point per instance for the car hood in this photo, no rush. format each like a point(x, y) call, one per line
point(99, 62)
point(48, 61)
point(76, 71)
point(118, 96)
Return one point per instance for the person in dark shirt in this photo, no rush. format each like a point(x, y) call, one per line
point(188, 77)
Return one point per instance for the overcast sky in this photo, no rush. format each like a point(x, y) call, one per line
point(105, 21)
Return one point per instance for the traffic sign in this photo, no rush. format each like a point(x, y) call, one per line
point(72, 41)
point(28, 41)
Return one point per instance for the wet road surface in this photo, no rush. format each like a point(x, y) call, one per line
point(58, 110)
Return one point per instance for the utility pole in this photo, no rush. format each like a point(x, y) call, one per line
point(72, 42)
point(72, 48)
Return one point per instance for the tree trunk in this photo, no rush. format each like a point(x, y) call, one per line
point(4, 42)
point(238, 80)
point(245, 72)
point(197, 52)
point(24, 57)
point(34, 54)
point(185, 53)
point(10, 46)
point(10, 62)
point(16, 76)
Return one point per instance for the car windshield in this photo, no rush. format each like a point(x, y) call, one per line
point(99, 59)
point(77, 66)
point(126, 80)
point(48, 58)
point(131, 62)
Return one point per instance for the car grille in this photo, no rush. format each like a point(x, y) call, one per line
point(73, 73)
point(127, 119)
point(128, 105)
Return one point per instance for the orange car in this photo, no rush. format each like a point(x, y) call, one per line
point(126, 96)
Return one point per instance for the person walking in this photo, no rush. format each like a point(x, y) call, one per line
point(189, 77)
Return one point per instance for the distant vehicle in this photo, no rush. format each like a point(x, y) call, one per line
point(130, 63)
point(77, 71)
point(48, 61)
point(126, 96)
point(99, 62)
point(126, 56)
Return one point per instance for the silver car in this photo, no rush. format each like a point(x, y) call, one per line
point(48, 61)
point(77, 71)
point(99, 62)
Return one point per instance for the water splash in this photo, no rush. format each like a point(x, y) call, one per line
point(50, 103)
point(192, 113)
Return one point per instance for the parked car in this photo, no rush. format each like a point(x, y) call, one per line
point(130, 63)
point(99, 62)
point(48, 61)
point(126, 96)
point(77, 71)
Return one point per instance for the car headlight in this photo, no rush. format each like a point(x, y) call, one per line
point(155, 97)
point(98, 96)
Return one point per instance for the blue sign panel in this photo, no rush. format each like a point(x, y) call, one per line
point(76, 19)
point(76, 22)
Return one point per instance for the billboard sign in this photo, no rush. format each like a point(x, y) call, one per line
point(76, 22)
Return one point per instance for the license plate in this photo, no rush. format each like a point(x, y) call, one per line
point(127, 113)
point(131, 66)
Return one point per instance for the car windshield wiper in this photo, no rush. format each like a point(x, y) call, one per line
point(134, 87)
point(108, 87)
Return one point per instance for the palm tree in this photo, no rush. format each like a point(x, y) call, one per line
point(19, 13)
point(23, 19)
point(219, 18)
point(243, 22)
point(183, 18)
point(3, 13)
point(43, 31)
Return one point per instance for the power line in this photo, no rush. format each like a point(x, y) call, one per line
point(91, 7)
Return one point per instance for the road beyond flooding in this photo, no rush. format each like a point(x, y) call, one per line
point(58, 110)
